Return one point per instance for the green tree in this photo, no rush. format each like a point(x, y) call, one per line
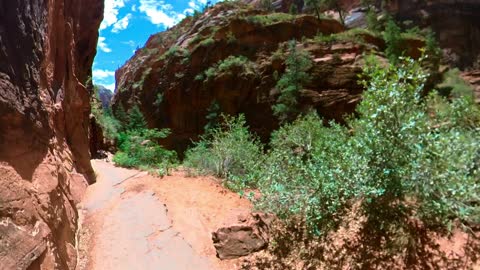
point(291, 82)
point(392, 36)
point(121, 116)
point(136, 120)
point(213, 114)
point(318, 5)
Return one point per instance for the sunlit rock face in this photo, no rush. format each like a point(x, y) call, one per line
point(46, 53)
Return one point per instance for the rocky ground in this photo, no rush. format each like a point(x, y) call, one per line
point(132, 220)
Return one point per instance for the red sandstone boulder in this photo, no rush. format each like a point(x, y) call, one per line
point(249, 236)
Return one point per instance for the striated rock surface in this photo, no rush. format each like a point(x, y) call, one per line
point(250, 235)
point(46, 52)
point(169, 78)
point(456, 23)
point(105, 96)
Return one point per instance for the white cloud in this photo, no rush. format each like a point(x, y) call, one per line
point(122, 24)
point(159, 13)
point(134, 8)
point(101, 74)
point(110, 12)
point(110, 87)
point(103, 45)
point(130, 43)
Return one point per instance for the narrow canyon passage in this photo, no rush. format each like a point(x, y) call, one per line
point(126, 223)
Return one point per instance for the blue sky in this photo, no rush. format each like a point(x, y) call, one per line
point(126, 26)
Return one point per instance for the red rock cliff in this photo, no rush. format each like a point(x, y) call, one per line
point(46, 53)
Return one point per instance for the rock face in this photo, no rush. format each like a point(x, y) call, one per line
point(169, 79)
point(455, 22)
point(249, 236)
point(46, 52)
point(105, 96)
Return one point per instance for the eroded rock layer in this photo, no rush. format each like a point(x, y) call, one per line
point(169, 78)
point(46, 52)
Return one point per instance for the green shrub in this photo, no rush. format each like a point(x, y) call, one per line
point(306, 173)
point(207, 42)
point(240, 65)
point(403, 166)
point(138, 146)
point(454, 86)
point(231, 152)
point(271, 18)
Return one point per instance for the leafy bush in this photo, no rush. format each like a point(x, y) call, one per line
point(454, 86)
point(138, 146)
point(231, 152)
point(306, 173)
point(270, 18)
point(231, 65)
point(401, 163)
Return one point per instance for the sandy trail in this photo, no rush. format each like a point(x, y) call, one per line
point(125, 223)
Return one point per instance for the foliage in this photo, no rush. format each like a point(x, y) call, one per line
point(121, 116)
point(291, 82)
point(230, 152)
point(414, 179)
point(293, 9)
point(392, 36)
point(231, 65)
point(307, 173)
point(136, 120)
point(270, 18)
point(404, 161)
point(207, 42)
point(356, 35)
point(158, 100)
point(373, 22)
point(318, 5)
point(213, 115)
point(454, 86)
point(138, 146)
point(104, 117)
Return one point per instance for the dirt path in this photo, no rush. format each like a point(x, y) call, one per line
point(131, 220)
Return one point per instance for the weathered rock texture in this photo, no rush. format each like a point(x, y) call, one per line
point(105, 96)
point(46, 52)
point(250, 235)
point(168, 77)
point(456, 23)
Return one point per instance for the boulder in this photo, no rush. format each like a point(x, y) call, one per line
point(249, 236)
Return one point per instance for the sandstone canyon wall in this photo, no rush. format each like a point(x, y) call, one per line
point(170, 77)
point(46, 53)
